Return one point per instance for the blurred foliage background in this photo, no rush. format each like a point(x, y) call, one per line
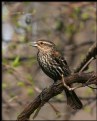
point(72, 27)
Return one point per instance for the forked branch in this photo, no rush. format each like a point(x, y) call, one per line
point(54, 90)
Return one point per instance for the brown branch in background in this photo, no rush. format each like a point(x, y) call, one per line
point(52, 91)
point(21, 59)
point(78, 46)
point(91, 54)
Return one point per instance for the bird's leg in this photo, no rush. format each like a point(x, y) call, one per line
point(65, 85)
point(73, 88)
point(69, 88)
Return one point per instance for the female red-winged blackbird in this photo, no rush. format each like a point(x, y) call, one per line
point(54, 65)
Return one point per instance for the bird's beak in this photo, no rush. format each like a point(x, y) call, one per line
point(34, 44)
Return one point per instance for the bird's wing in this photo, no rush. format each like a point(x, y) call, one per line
point(61, 62)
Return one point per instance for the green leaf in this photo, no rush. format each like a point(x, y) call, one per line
point(81, 25)
point(59, 25)
point(22, 38)
point(12, 94)
point(4, 85)
point(21, 84)
point(31, 62)
point(4, 61)
point(84, 16)
point(87, 109)
point(16, 62)
point(70, 28)
point(29, 78)
point(77, 10)
point(10, 71)
point(60, 96)
point(30, 91)
point(88, 92)
point(94, 28)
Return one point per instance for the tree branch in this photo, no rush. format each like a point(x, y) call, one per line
point(92, 52)
point(54, 90)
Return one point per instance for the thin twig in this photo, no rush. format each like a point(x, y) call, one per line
point(92, 52)
point(86, 64)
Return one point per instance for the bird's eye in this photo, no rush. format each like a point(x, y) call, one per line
point(41, 43)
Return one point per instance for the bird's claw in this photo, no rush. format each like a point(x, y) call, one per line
point(71, 89)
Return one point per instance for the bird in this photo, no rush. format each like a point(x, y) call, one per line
point(54, 65)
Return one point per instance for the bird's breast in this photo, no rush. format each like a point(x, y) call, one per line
point(44, 60)
point(48, 65)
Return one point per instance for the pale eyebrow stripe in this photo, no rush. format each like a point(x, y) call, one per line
point(46, 42)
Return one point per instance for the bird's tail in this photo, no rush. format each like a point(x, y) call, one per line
point(72, 99)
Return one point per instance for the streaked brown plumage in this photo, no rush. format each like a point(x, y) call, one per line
point(54, 65)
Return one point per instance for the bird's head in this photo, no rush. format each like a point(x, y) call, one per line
point(43, 45)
